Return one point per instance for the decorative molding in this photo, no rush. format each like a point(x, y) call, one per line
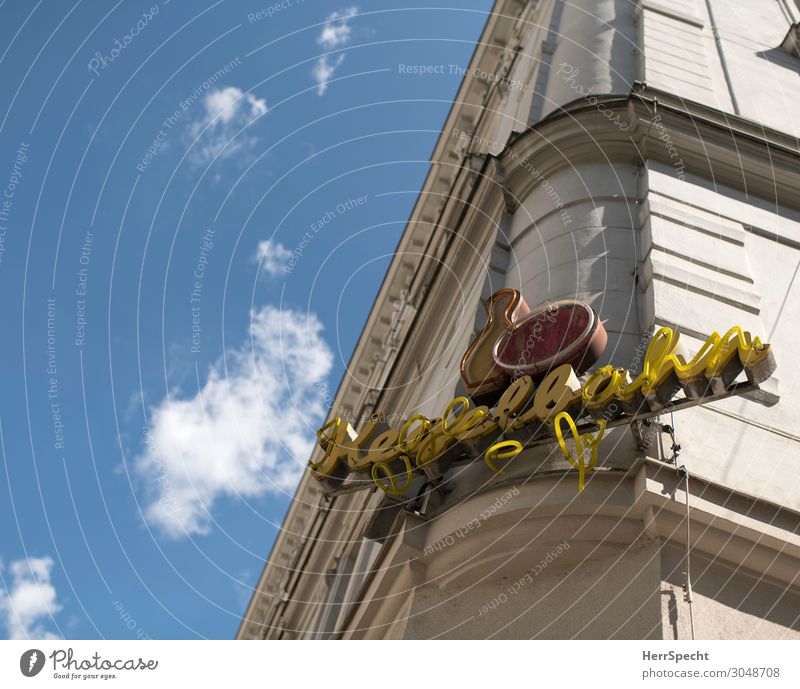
point(734, 149)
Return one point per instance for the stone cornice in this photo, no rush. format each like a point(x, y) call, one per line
point(724, 149)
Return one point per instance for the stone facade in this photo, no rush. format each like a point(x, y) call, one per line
point(642, 157)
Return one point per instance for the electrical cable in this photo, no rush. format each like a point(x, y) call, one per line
point(684, 472)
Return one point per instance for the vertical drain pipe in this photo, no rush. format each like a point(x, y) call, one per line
point(722, 59)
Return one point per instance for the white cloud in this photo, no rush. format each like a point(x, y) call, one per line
point(335, 33)
point(323, 71)
point(272, 257)
point(27, 597)
point(249, 430)
point(216, 132)
point(336, 30)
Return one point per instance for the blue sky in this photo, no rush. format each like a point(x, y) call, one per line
point(198, 203)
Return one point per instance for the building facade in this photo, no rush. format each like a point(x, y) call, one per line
point(640, 156)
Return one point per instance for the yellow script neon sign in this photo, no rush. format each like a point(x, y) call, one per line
point(386, 455)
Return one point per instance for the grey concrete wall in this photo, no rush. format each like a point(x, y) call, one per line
point(598, 39)
point(604, 598)
point(592, 249)
point(731, 260)
point(728, 604)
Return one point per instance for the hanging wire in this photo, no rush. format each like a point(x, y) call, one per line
point(684, 473)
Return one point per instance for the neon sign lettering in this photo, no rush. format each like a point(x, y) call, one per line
point(391, 457)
